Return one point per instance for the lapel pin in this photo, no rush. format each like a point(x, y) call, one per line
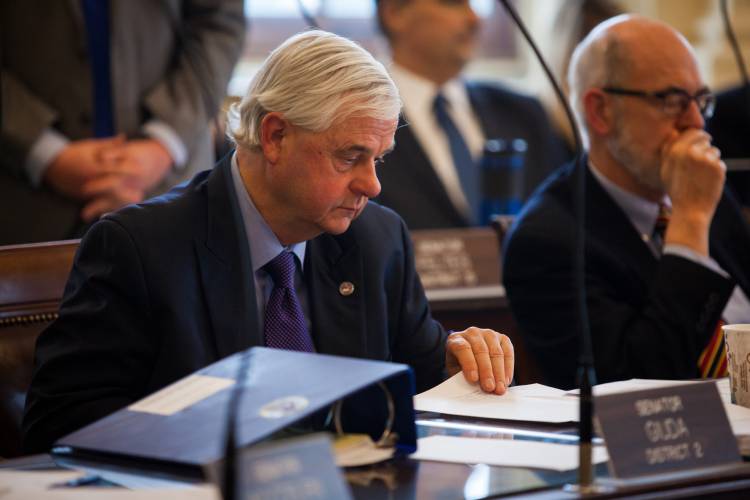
point(346, 288)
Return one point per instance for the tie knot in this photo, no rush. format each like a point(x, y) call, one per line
point(660, 226)
point(281, 269)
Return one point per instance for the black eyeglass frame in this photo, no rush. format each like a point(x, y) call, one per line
point(704, 98)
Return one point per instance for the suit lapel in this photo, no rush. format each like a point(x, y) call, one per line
point(338, 320)
point(603, 215)
point(226, 267)
point(76, 14)
point(419, 167)
point(482, 110)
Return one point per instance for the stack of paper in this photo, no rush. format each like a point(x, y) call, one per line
point(539, 403)
point(502, 452)
point(531, 403)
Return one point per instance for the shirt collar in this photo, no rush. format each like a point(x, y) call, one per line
point(641, 212)
point(418, 93)
point(263, 243)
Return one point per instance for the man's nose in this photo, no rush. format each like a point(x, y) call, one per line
point(691, 117)
point(367, 183)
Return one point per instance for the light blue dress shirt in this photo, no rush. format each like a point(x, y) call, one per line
point(264, 246)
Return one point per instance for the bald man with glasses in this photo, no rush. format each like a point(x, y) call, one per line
point(667, 252)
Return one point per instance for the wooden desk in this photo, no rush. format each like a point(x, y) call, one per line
point(407, 479)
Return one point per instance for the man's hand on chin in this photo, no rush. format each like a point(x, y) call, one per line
point(484, 356)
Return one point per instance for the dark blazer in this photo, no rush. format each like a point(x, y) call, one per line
point(412, 188)
point(170, 60)
point(650, 317)
point(730, 130)
point(161, 289)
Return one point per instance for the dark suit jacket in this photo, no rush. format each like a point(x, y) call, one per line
point(170, 60)
point(650, 318)
point(730, 130)
point(162, 289)
point(412, 188)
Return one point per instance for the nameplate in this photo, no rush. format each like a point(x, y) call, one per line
point(457, 258)
point(299, 468)
point(666, 430)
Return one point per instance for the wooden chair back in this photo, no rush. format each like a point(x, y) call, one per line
point(32, 280)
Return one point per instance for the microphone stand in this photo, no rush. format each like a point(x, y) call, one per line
point(586, 375)
point(229, 472)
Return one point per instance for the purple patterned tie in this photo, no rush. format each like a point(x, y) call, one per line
point(285, 326)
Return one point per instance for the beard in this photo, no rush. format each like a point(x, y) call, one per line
point(644, 166)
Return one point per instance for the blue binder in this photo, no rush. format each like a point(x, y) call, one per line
point(281, 388)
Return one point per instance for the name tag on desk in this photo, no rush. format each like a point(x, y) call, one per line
point(666, 430)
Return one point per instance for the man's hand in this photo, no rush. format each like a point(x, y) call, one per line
point(693, 176)
point(108, 193)
point(144, 161)
point(485, 356)
point(80, 162)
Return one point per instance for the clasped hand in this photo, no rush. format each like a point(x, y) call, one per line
point(107, 174)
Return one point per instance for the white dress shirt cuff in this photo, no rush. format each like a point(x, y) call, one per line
point(168, 138)
point(689, 254)
point(45, 149)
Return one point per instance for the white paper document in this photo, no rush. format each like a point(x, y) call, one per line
point(502, 452)
point(634, 384)
point(180, 395)
point(531, 403)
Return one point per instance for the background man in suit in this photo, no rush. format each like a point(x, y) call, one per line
point(655, 291)
point(106, 102)
point(432, 178)
point(276, 246)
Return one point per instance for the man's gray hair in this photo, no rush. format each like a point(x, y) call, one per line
point(598, 61)
point(315, 79)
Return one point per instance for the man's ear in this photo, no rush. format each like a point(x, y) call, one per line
point(274, 128)
point(598, 110)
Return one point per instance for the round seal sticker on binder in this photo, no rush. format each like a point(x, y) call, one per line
point(283, 407)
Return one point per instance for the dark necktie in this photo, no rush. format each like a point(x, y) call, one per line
point(285, 326)
point(468, 172)
point(712, 363)
point(96, 14)
point(660, 226)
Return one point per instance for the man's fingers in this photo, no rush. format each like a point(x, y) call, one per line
point(460, 348)
point(104, 185)
point(485, 356)
point(481, 358)
point(496, 359)
point(509, 357)
point(96, 208)
point(481, 353)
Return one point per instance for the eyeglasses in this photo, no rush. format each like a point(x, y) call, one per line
point(674, 101)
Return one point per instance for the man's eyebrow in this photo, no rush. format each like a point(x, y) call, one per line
point(358, 148)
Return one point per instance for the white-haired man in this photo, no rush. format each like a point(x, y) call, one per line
point(657, 284)
point(263, 250)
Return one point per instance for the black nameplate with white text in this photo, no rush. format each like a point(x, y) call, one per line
point(666, 430)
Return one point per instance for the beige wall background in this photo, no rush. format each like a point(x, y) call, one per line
point(554, 24)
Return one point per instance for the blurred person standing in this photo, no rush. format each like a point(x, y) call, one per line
point(432, 178)
point(106, 103)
